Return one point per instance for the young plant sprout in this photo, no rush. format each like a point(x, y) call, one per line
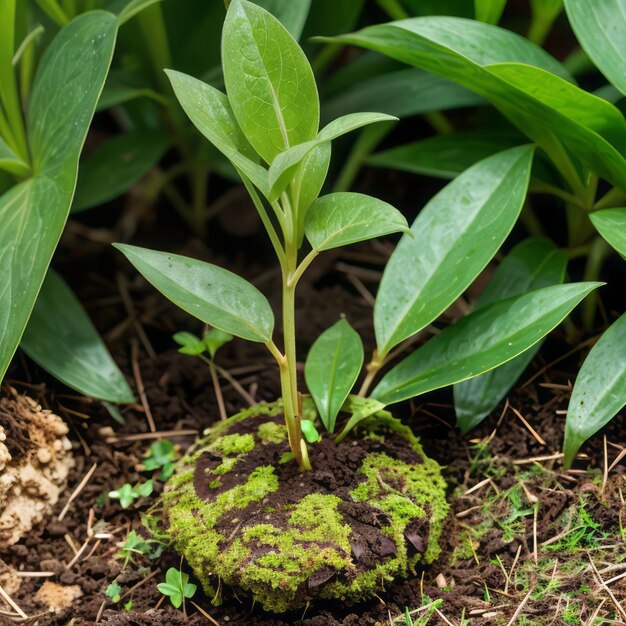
point(267, 125)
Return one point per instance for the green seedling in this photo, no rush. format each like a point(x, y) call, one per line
point(127, 494)
point(162, 456)
point(134, 545)
point(114, 591)
point(177, 587)
point(267, 126)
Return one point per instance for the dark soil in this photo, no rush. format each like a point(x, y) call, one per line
point(493, 480)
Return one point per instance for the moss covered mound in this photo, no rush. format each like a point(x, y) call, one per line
point(241, 514)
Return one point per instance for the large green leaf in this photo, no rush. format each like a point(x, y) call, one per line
point(600, 389)
point(445, 156)
point(116, 166)
point(527, 85)
point(331, 369)
point(481, 341)
point(208, 292)
point(533, 264)
point(402, 93)
point(600, 26)
point(284, 166)
point(61, 338)
point(611, 224)
point(454, 237)
point(63, 99)
point(292, 15)
point(269, 81)
point(342, 218)
point(211, 113)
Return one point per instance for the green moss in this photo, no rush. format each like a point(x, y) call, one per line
point(234, 444)
point(275, 559)
point(271, 432)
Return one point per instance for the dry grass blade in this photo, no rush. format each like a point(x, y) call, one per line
point(140, 386)
point(600, 580)
point(12, 604)
point(76, 491)
point(530, 429)
point(520, 608)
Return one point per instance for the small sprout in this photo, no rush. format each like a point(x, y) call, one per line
point(177, 587)
point(134, 545)
point(114, 591)
point(162, 455)
point(190, 343)
point(407, 617)
point(128, 606)
point(127, 494)
point(309, 431)
point(214, 339)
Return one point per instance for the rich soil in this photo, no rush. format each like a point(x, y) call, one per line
point(498, 555)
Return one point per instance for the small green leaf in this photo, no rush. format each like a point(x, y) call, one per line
point(211, 113)
point(284, 166)
point(125, 494)
point(611, 224)
point(481, 341)
point(268, 78)
point(342, 218)
point(531, 265)
point(359, 409)
point(600, 389)
point(116, 166)
point(215, 339)
point(191, 344)
point(114, 591)
point(61, 338)
point(331, 369)
point(309, 431)
point(445, 156)
point(429, 271)
point(600, 27)
point(211, 294)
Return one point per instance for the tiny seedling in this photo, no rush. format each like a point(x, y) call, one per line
point(177, 587)
point(114, 591)
point(134, 545)
point(267, 125)
point(162, 456)
point(127, 494)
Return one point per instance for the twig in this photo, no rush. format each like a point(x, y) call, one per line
point(122, 285)
point(77, 491)
point(139, 381)
point(140, 583)
point(218, 392)
point(605, 473)
point(618, 606)
point(531, 430)
point(12, 604)
point(443, 617)
point(235, 385)
point(520, 608)
point(205, 614)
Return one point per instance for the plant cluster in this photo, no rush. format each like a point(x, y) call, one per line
point(267, 125)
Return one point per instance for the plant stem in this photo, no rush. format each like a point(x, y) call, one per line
point(600, 249)
point(372, 368)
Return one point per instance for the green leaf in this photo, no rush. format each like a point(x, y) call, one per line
point(489, 11)
point(600, 27)
point(132, 8)
point(215, 339)
point(454, 237)
point(600, 389)
point(309, 431)
point(213, 295)
point(114, 591)
point(61, 338)
point(269, 81)
point(611, 224)
point(211, 113)
point(292, 15)
point(359, 409)
point(116, 166)
point(445, 156)
point(342, 218)
point(10, 162)
point(481, 341)
point(402, 93)
point(533, 264)
point(191, 344)
point(64, 96)
point(332, 367)
point(527, 85)
point(309, 183)
point(145, 489)
point(284, 166)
